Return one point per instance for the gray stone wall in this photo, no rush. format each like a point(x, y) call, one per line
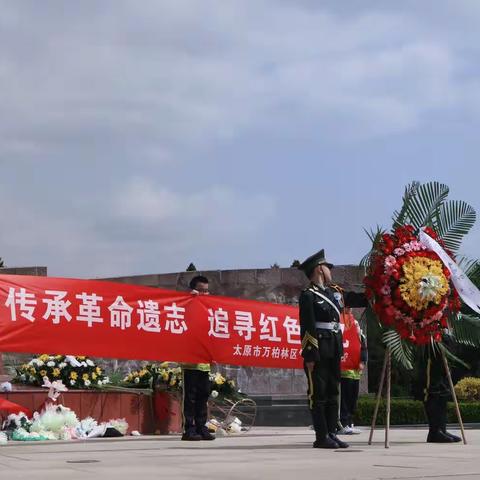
point(36, 271)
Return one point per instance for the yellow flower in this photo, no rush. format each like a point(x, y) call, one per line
point(423, 282)
point(143, 372)
point(85, 376)
point(98, 371)
point(56, 372)
point(73, 375)
point(32, 371)
point(44, 358)
point(81, 358)
point(43, 373)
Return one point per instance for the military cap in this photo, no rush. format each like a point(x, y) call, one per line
point(316, 259)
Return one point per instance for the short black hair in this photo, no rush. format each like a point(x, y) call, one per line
point(197, 279)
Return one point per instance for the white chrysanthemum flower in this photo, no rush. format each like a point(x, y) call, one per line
point(50, 364)
point(62, 365)
point(23, 377)
point(100, 383)
point(106, 380)
point(137, 380)
point(90, 363)
point(214, 394)
point(87, 383)
point(72, 382)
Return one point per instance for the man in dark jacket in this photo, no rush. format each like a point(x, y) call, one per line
point(196, 385)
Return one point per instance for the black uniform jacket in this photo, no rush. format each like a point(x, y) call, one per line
point(323, 305)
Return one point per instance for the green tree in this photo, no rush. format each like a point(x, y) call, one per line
point(295, 264)
point(191, 268)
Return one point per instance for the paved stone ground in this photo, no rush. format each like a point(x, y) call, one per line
point(263, 453)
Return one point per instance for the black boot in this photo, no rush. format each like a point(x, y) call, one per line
point(191, 435)
point(205, 433)
point(320, 425)
point(437, 436)
point(455, 438)
point(341, 444)
point(331, 415)
point(443, 427)
point(325, 442)
point(435, 408)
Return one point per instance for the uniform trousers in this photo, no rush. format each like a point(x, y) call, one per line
point(196, 390)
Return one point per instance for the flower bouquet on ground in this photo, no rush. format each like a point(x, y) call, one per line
point(222, 387)
point(57, 422)
point(74, 371)
point(231, 411)
point(155, 376)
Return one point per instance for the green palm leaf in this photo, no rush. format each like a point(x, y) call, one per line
point(423, 206)
point(450, 356)
point(454, 220)
point(368, 315)
point(402, 350)
point(374, 236)
point(466, 329)
point(471, 269)
point(410, 192)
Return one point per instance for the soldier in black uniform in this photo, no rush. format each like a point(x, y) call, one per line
point(322, 346)
point(435, 395)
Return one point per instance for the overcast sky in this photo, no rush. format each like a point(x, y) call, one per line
point(139, 136)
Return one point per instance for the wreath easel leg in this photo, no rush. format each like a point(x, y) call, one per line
point(389, 383)
point(379, 395)
point(454, 396)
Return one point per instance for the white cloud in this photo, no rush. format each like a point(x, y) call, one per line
point(96, 93)
point(174, 74)
point(143, 228)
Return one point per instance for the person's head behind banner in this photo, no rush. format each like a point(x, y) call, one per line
point(317, 268)
point(199, 285)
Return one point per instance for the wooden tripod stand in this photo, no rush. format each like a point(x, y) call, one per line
point(387, 374)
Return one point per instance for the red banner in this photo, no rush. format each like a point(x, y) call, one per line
point(114, 320)
point(351, 343)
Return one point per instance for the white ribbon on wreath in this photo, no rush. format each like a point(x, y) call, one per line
point(468, 292)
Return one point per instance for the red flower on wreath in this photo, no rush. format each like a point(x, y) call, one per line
point(409, 287)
